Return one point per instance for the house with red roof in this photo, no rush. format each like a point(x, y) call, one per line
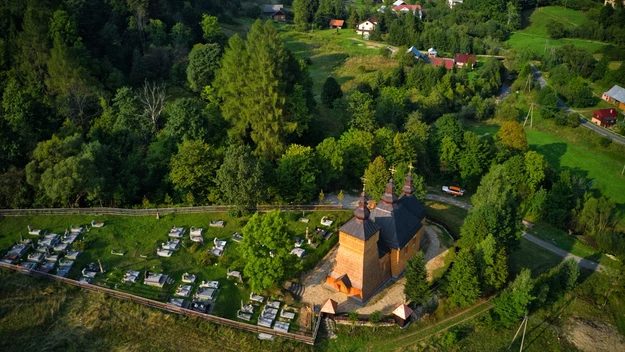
point(438, 61)
point(336, 24)
point(462, 60)
point(404, 8)
point(605, 117)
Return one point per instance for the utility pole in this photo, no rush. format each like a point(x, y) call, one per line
point(524, 321)
point(530, 115)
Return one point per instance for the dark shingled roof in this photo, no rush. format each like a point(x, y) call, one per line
point(399, 225)
point(412, 204)
point(361, 229)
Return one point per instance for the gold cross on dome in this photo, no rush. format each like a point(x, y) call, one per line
point(410, 167)
point(364, 183)
point(392, 170)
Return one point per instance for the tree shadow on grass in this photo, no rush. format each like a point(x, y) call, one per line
point(553, 153)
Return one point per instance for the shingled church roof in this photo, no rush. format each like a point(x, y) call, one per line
point(399, 219)
point(360, 226)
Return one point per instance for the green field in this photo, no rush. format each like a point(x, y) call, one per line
point(576, 149)
point(343, 55)
point(139, 236)
point(533, 35)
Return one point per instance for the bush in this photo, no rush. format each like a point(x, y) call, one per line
point(572, 120)
point(605, 141)
point(375, 317)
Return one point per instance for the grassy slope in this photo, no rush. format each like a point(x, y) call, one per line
point(578, 150)
point(141, 235)
point(40, 315)
point(534, 35)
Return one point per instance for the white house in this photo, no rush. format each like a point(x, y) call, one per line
point(453, 3)
point(367, 26)
point(432, 52)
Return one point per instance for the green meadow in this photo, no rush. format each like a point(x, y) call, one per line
point(533, 35)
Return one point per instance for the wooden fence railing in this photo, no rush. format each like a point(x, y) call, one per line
point(161, 211)
point(308, 339)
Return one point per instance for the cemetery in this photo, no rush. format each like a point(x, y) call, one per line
point(191, 261)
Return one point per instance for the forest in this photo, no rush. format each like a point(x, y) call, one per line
point(140, 104)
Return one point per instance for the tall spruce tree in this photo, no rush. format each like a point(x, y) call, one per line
point(463, 285)
point(417, 289)
point(266, 92)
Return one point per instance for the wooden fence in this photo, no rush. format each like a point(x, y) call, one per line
point(308, 339)
point(160, 211)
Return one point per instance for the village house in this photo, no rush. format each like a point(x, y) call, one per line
point(336, 24)
point(611, 2)
point(439, 61)
point(616, 96)
point(404, 8)
point(432, 53)
point(375, 244)
point(366, 27)
point(462, 60)
point(453, 3)
point(276, 12)
point(414, 51)
point(605, 117)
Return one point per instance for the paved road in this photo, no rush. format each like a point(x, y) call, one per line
point(584, 263)
point(538, 76)
point(616, 138)
point(448, 200)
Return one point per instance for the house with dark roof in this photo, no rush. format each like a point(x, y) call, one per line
point(463, 60)
point(616, 96)
point(367, 26)
point(605, 117)
point(279, 15)
point(269, 9)
point(375, 245)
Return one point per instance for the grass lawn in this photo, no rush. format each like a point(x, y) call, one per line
point(534, 35)
point(578, 150)
point(532, 256)
point(450, 215)
point(571, 244)
point(139, 236)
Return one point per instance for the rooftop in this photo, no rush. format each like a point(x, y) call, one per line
point(617, 93)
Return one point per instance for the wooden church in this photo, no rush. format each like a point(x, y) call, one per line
point(376, 243)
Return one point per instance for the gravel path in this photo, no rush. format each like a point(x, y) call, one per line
point(386, 300)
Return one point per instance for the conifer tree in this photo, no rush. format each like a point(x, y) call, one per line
point(265, 90)
point(463, 285)
point(417, 289)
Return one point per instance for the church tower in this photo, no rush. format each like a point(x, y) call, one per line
point(358, 272)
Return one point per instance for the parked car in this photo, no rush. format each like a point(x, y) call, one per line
point(454, 191)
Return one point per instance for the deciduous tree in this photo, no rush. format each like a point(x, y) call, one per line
point(266, 247)
point(377, 176)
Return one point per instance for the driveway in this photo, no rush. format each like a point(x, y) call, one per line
point(448, 200)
